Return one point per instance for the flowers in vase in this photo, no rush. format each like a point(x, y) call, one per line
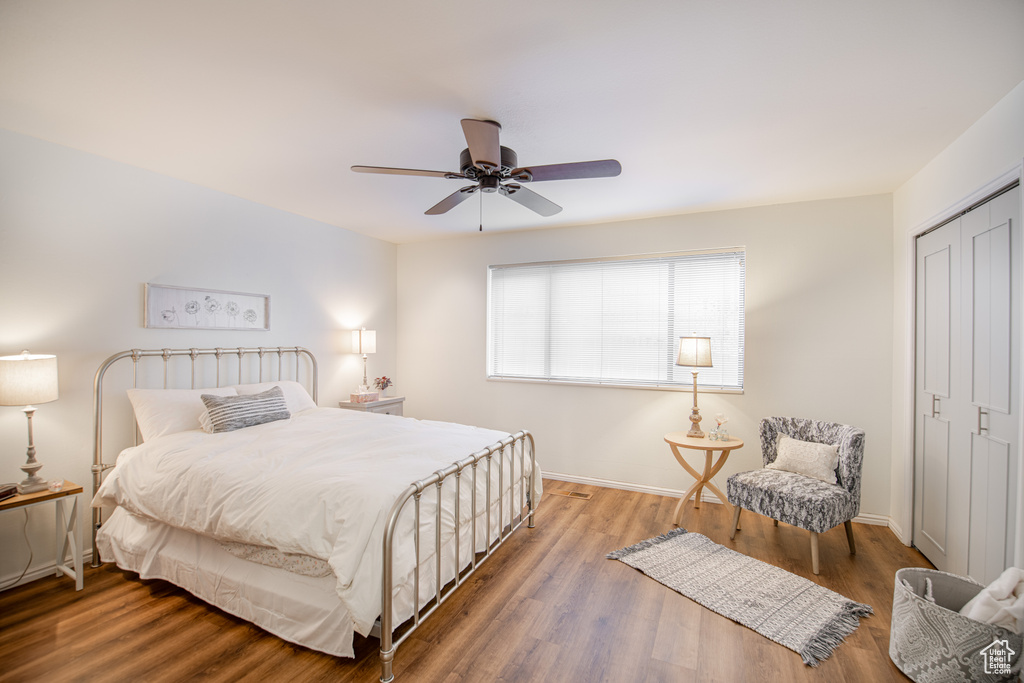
point(383, 383)
point(719, 433)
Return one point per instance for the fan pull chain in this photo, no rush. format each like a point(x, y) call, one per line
point(481, 211)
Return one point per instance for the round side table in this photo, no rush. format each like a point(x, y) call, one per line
point(679, 440)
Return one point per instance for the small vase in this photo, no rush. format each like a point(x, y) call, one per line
point(384, 392)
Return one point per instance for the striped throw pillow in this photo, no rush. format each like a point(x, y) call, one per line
point(228, 413)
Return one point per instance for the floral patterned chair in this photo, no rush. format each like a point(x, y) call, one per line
point(800, 500)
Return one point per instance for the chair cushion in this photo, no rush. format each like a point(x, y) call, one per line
point(817, 460)
point(792, 498)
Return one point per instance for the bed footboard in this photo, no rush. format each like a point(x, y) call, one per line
point(452, 476)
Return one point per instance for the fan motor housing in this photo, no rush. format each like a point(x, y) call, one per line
point(509, 161)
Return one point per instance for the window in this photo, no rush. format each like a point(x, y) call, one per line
point(617, 321)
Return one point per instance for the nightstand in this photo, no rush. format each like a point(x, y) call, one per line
point(69, 533)
point(385, 406)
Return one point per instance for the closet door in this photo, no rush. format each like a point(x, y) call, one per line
point(967, 410)
point(990, 247)
point(941, 493)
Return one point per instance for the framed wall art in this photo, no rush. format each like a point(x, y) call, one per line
point(205, 309)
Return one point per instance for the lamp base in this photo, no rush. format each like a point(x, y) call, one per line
point(32, 484)
point(695, 431)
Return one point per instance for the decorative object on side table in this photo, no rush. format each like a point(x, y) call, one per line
point(27, 379)
point(363, 396)
point(364, 341)
point(382, 384)
point(383, 406)
point(694, 352)
point(719, 433)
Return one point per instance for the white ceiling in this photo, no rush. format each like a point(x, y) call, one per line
point(707, 104)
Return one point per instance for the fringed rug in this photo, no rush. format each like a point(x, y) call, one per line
point(794, 612)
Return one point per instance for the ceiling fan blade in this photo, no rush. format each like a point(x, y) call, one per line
point(530, 199)
point(451, 201)
point(405, 171)
point(482, 137)
point(605, 168)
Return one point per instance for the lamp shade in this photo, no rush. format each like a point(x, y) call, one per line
point(27, 379)
point(694, 352)
point(364, 341)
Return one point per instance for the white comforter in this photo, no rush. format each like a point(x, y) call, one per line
point(320, 484)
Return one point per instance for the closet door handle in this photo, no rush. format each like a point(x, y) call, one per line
point(935, 405)
point(980, 413)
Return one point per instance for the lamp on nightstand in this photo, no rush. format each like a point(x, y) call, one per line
point(364, 341)
point(695, 352)
point(24, 380)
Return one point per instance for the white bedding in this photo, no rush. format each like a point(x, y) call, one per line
point(320, 484)
point(300, 609)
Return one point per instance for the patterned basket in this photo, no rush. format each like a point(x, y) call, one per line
point(931, 642)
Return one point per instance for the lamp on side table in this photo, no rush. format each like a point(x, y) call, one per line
point(364, 341)
point(694, 352)
point(27, 379)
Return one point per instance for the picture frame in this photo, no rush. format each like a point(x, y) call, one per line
point(191, 308)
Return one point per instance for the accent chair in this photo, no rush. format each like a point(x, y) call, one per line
point(797, 499)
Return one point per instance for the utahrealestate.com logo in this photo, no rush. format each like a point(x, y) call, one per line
point(997, 657)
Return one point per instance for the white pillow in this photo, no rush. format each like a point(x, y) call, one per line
point(295, 395)
point(810, 459)
point(167, 411)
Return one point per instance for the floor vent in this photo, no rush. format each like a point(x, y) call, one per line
point(572, 494)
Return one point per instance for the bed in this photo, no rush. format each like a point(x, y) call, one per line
point(312, 523)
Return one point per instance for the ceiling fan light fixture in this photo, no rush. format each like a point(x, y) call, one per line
point(476, 165)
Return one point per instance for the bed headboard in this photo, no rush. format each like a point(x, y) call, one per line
point(195, 368)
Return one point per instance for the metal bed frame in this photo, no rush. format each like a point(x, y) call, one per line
point(391, 635)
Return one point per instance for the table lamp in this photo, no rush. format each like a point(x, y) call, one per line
point(24, 380)
point(364, 341)
point(695, 352)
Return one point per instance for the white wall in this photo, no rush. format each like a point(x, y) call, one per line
point(989, 149)
point(80, 235)
point(818, 339)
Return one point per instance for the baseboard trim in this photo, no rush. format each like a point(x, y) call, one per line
point(898, 531)
point(873, 520)
point(42, 572)
point(706, 496)
point(627, 486)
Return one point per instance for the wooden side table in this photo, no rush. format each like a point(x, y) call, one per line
point(69, 533)
point(679, 440)
point(386, 406)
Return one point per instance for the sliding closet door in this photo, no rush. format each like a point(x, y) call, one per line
point(990, 238)
point(939, 476)
point(967, 407)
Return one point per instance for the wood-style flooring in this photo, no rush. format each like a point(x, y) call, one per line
point(547, 606)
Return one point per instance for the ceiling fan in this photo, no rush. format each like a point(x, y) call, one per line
point(494, 168)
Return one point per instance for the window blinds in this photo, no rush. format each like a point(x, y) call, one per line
point(617, 321)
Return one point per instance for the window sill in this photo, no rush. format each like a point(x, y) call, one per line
point(618, 385)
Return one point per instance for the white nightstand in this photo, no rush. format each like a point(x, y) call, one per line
point(385, 406)
point(69, 534)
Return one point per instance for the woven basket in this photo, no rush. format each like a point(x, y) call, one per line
point(931, 642)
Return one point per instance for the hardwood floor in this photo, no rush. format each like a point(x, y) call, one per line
point(548, 606)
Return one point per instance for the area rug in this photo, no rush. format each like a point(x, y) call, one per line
point(807, 618)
